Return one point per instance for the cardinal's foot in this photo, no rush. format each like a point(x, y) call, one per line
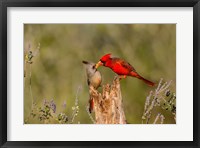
point(116, 77)
point(122, 77)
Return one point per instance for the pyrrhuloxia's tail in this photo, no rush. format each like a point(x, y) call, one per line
point(134, 74)
point(91, 105)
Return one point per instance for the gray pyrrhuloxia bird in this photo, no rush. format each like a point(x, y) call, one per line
point(93, 76)
point(93, 79)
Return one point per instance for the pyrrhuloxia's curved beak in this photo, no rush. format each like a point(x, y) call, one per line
point(98, 64)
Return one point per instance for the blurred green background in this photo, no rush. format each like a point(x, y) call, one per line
point(57, 70)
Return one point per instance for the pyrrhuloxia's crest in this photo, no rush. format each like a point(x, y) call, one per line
point(90, 68)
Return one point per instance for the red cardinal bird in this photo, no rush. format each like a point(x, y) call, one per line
point(121, 67)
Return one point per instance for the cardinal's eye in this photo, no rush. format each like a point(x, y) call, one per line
point(103, 62)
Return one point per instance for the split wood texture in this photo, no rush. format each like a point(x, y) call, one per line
point(108, 105)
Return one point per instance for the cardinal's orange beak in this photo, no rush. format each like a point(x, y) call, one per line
point(98, 64)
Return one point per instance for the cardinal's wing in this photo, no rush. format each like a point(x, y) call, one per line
point(124, 64)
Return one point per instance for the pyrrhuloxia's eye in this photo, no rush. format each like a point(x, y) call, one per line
point(93, 67)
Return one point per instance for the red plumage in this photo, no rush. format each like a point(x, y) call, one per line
point(121, 67)
point(91, 107)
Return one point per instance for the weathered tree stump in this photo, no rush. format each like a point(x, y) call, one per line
point(108, 105)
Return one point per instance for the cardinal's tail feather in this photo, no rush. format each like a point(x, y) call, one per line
point(134, 74)
point(147, 81)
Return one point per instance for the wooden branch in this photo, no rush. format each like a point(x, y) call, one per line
point(108, 105)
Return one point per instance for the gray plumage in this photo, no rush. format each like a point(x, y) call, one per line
point(93, 75)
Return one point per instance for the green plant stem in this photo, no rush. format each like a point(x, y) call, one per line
point(30, 88)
